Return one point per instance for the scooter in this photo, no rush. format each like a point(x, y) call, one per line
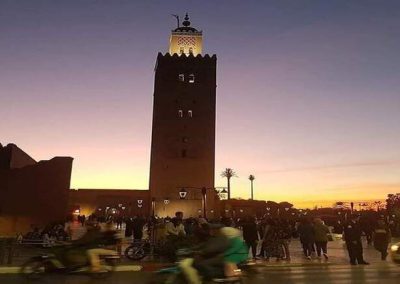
point(55, 263)
point(175, 275)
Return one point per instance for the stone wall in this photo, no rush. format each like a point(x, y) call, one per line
point(35, 192)
point(90, 201)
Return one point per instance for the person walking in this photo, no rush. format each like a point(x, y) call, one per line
point(352, 236)
point(285, 234)
point(381, 238)
point(250, 235)
point(365, 224)
point(137, 226)
point(128, 227)
point(271, 244)
point(261, 230)
point(307, 238)
point(321, 232)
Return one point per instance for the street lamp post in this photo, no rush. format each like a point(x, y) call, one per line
point(153, 206)
point(166, 202)
point(252, 178)
point(222, 194)
point(203, 201)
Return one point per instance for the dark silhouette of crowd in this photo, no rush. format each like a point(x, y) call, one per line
point(267, 237)
point(48, 236)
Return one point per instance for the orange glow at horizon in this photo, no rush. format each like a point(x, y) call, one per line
point(304, 188)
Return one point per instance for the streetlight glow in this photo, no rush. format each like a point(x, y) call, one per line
point(182, 193)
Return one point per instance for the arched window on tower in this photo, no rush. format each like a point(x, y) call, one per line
point(190, 113)
point(181, 50)
point(191, 78)
point(180, 113)
point(190, 50)
point(181, 77)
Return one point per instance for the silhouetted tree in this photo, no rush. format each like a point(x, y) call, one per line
point(252, 178)
point(285, 204)
point(228, 173)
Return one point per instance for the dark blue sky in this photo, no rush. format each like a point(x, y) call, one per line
point(308, 91)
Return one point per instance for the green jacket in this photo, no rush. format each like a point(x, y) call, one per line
point(237, 251)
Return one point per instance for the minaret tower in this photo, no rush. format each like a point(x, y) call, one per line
point(183, 133)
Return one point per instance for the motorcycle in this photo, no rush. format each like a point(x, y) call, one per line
point(164, 249)
point(57, 262)
point(138, 250)
point(175, 275)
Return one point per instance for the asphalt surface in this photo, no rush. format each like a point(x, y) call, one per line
point(299, 270)
point(315, 274)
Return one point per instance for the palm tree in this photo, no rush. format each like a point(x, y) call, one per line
point(228, 173)
point(252, 178)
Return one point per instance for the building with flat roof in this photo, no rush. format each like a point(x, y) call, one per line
point(32, 192)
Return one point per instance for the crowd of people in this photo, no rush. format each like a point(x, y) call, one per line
point(46, 237)
point(269, 238)
point(266, 237)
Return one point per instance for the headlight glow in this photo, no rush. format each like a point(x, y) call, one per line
point(394, 247)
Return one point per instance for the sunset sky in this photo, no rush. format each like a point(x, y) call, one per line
point(308, 96)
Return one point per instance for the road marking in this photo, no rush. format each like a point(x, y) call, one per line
point(121, 268)
point(9, 269)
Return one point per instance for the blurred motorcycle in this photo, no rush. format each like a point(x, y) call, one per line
point(66, 259)
point(175, 275)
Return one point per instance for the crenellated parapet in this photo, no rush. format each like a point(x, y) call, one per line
point(187, 60)
point(168, 56)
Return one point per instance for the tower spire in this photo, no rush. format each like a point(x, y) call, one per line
point(185, 39)
point(186, 22)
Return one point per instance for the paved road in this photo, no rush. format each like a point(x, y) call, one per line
point(331, 274)
point(336, 270)
point(328, 274)
point(336, 251)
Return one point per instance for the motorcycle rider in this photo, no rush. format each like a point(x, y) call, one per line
point(176, 227)
point(236, 253)
point(108, 237)
point(209, 262)
point(218, 256)
point(91, 241)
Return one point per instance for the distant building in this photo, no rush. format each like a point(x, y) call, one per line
point(32, 192)
point(183, 134)
point(118, 202)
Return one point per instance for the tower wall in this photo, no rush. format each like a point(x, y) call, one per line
point(183, 137)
